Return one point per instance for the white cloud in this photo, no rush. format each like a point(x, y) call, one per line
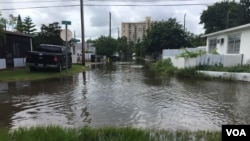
point(97, 17)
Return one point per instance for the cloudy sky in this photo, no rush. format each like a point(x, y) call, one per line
point(96, 13)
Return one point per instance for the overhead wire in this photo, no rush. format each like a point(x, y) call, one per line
point(8, 2)
point(118, 5)
point(96, 1)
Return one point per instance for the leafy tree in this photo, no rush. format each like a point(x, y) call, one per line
point(105, 46)
point(165, 35)
point(49, 35)
point(19, 26)
point(2, 26)
point(223, 15)
point(139, 50)
point(122, 45)
point(28, 26)
point(2, 23)
point(123, 48)
point(196, 40)
point(12, 21)
point(246, 6)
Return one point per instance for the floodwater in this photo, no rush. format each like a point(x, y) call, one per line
point(124, 94)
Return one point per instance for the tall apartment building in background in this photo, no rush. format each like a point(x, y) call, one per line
point(134, 31)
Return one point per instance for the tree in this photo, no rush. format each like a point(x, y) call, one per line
point(105, 46)
point(123, 48)
point(19, 26)
point(196, 40)
point(246, 6)
point(223, 15)
point(2, 22)
point(164, 35)
point(2, 35)
point(2, 27)
point(12, 21)
point(28, 26)
point(49, 35)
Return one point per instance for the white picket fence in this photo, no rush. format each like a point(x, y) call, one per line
point(227, 60)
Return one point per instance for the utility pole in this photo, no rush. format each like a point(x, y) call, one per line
point(118, 33)
point(83, 36)
point(110, 24)
point(228, 12)
point(185, 22)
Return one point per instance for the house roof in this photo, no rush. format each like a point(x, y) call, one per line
point(246, 26)
point(19, 34)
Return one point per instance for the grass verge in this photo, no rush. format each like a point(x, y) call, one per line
point(22, 74)
point(55, 133)
point(166, 68)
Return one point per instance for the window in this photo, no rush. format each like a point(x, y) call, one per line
point(233, 44)
point(212, 45)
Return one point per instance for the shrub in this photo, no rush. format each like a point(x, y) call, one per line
point(190, 54)
point(164, 67)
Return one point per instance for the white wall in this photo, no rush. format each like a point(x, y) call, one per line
point(179, 63)
point(2, 63)
point(19, 62)
point(228, 60)
point(182, 62)
point(74, 59)
point(231, 60)
point(245, 46)
point(175, 52)
point(229, 75)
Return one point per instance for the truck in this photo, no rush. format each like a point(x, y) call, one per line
point(47, 56)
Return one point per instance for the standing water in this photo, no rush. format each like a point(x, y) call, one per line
point(124, 94)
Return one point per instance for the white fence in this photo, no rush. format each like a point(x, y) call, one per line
point(174, 52)
point(228, 60)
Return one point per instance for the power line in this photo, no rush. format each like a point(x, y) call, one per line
point(118, 5)
point(141, 0)
point(8, 2)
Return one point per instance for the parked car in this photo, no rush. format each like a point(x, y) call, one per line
point(49, 56)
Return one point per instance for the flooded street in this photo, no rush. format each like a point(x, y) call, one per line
point(124, 94)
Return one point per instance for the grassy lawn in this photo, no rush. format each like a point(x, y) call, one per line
point(21, 74)
point(54, 133)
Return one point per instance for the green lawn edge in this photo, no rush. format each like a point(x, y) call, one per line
point(56, 133)
point(24, 74)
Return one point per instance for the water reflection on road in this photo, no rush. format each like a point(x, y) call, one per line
point(124, 94)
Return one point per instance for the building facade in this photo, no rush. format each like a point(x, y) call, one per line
point(134, 31)
point(13, 48)
point(234, 41)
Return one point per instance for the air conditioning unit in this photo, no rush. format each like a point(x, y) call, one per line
point(221, 41)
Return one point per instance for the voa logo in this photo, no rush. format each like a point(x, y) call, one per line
point(236, 132)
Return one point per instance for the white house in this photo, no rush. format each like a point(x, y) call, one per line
point(232, 41)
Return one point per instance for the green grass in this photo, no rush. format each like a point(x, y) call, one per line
point(243, 68)
point(165, 68)
point(21, 74)
point(55, 133)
